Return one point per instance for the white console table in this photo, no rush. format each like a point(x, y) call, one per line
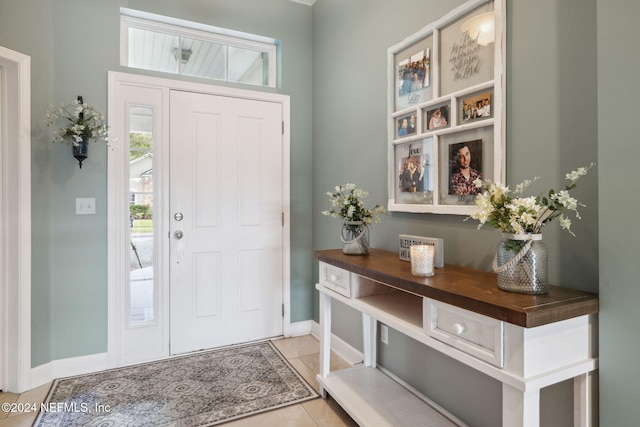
point(526, 342)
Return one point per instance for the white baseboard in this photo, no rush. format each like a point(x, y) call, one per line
point(81, 365)
point(70, 367)
point(339, 346)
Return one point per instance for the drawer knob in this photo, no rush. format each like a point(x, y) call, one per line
point(333, 278)
point(459, 328)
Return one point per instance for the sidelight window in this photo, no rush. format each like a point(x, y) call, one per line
point(142, 288)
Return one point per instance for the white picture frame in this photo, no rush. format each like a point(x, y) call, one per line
point(450, 71)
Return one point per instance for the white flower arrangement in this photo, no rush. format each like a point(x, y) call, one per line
point(346, 204)
point(81, 121)
point(522, 215)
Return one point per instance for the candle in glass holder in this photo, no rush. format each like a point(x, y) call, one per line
point(422, 257)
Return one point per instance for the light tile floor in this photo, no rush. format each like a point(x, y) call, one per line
point(301, 352)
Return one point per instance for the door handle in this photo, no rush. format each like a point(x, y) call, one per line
point(178, 234)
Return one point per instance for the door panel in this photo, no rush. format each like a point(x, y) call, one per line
point(226, 266)
point(206, 284)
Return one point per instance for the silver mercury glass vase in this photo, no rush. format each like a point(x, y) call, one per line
point(521, 263)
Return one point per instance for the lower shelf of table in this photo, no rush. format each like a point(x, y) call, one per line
point(372, 398)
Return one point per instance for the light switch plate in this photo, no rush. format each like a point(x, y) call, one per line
point(86, 206)
point(407, 240)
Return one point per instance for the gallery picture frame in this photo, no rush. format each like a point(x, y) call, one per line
point(414, 172)
point(406, 125)
point(453, 81)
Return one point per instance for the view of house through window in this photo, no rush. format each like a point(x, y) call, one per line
point(141, 215)
point(159, 43)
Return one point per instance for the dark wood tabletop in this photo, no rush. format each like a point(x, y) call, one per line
point(467, 288)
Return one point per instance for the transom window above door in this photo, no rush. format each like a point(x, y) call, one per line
point(160, 43)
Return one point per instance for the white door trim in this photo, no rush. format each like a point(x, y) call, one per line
point(15, 217)
point(116, 196)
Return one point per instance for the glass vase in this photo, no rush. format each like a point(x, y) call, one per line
point(521, 263)
point(355, 238)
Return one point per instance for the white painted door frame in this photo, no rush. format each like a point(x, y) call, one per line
point(15, 217)
point(118, 201)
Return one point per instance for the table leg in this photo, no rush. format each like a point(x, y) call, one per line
point(325, 339)
point(520, 408)
point(584, 399)
point(370, 339)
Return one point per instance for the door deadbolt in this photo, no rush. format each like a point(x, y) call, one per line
point(178, 216)
point(178, 234)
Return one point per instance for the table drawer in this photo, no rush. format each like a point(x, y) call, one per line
point(336, 279)
point(475, 334)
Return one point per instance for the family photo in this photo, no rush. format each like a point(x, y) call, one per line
point(413, 73)
point(476, 107)
point(406, 125)
point(413, 174)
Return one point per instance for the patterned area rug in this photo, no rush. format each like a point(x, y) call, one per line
point(202, 389)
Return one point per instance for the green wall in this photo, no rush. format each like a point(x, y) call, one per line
point(22, 28)
point(551, 121)
point(73, 44)
point(551, 130)
point(619, 151)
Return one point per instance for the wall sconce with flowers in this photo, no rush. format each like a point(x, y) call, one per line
point(82, 123)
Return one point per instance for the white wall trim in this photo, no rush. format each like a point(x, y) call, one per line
point(15, 218)
point(82, 365)
point(339, 346)
point(69, 367)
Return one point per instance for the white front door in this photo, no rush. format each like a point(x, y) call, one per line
point(226, 208)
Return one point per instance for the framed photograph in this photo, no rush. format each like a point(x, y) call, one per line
point(464, 157)
point(450, 75)
point(437, 117)
point(465, 167)
point(406, 125)
point(412, 74)
point(414, 171)
point(476, 107)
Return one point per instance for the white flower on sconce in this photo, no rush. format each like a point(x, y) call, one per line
point(79, 122)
